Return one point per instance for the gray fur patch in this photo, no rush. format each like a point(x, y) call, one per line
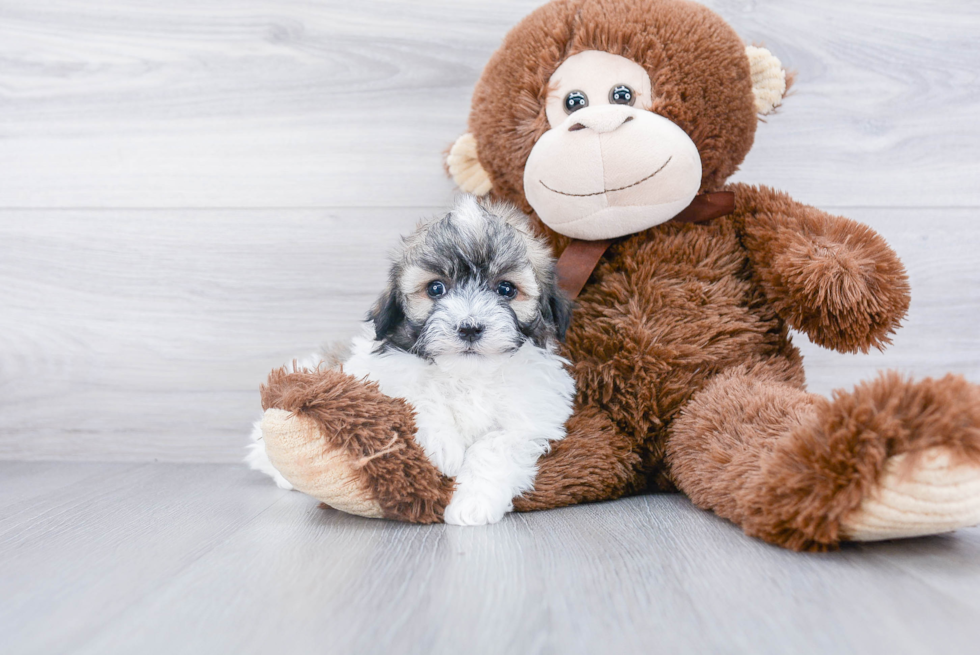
point(472, 250)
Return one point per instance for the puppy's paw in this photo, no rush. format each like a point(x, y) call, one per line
point(474, 509)
point(446, 455)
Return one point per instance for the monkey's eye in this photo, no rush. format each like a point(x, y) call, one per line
point(621, 95)
point(507, 290)
point(574, 101)
point(436, 289)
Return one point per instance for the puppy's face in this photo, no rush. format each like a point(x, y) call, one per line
point(475, 282)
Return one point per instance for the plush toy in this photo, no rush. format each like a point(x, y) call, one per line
point(615, 124)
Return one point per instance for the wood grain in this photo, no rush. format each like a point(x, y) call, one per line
point(75, 557)
point(211, 559)
point(289, 103)
point(140, 330)
point(143, 335)
point(127, 333)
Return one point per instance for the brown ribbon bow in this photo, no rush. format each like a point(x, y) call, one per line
point(580, 258)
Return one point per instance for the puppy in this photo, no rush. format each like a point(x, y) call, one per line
point(466, 331)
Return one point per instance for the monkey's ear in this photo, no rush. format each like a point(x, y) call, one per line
point(769, 83)
point(465, 169)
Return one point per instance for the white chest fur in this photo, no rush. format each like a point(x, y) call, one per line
point(461, 400)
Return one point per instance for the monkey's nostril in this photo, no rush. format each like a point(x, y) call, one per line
point(576, 127)
point(470, 333)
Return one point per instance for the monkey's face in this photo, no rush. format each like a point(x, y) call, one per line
point(606, 117)
point(607, 166)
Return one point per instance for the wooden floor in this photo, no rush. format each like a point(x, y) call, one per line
point(210, 558)
point(193, 192)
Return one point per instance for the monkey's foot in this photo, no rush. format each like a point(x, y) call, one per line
point(343, 442)
point(312, 466)
point(929, 495)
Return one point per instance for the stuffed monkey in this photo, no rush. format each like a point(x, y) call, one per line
point(615, 124)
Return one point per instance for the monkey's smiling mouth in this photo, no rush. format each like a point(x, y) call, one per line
point(599, 193)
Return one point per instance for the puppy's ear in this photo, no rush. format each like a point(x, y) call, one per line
point(557, 309)
point(387, 313)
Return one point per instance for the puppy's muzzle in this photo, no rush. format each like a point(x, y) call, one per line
point(470, 332)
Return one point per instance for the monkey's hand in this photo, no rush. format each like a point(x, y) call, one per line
point(828, 276)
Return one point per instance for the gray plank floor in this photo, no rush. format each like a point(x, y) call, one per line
point(210, 558)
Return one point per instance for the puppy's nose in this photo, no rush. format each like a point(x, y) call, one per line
point(470, 332)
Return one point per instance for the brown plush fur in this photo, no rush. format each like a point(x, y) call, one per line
point(827, 276)
point(593, 462)
point(680, 343)
point(788, 466)
point(376, 430)
point(705, 89)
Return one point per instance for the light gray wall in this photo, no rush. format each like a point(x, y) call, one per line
point(193, 192)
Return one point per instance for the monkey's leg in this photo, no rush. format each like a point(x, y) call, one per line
point(893, 458)
point(348, 445)
point(345, 443)
point(593, 462)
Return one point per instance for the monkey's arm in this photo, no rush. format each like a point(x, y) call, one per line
point(828, 276)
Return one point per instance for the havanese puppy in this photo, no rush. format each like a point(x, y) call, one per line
point(466, 331)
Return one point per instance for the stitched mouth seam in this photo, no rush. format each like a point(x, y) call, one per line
point(599, 193)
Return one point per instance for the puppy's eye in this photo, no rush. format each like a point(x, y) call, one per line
point(621, 95)
point(507, 290)
point(574, 101)
point(436, 289)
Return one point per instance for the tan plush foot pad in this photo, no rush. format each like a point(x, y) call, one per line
point(934, 497)
point(298, 451)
